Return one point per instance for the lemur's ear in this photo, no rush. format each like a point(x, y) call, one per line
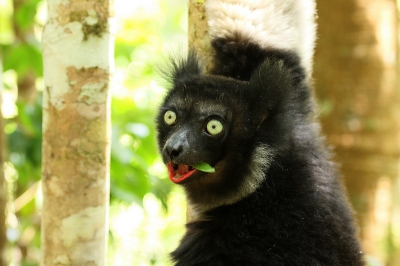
point(271, 81)
point(181, 68)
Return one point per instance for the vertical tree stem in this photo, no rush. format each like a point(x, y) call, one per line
point(77, 56)
point(357, 84)
point(198, 31)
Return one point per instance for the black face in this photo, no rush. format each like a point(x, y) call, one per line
point(194, 125)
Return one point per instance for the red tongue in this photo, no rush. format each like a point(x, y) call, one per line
point(183, 169)
point(181, 174)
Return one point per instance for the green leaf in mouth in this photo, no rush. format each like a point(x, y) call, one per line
point(204, 167)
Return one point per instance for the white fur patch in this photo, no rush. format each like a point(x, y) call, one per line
point(282, 24)
point(259, 164)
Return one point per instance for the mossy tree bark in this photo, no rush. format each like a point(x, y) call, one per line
point(356, 78)
point(77, 55)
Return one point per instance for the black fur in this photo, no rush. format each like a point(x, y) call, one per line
point(237, 58)
point(298, 214)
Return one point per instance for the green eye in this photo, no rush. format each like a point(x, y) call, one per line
point(170, 117)
point(214, 127)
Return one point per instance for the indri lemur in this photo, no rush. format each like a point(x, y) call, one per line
point(275, 197)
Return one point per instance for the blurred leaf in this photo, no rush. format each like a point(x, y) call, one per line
point(25, 143)
point(6, 29)
point(25, 12)
point(22, 58)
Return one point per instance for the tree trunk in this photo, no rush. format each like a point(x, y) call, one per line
point(198, 32)
point(356, 80)
point(77, 55)
point(3, 197)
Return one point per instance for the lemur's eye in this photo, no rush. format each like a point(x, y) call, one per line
point(170, 117)
point(214, 127)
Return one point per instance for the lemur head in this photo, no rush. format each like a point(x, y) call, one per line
point(235, 126)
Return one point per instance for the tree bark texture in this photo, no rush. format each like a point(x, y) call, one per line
point(77, 54)
point(356, 79)
point(198, 32)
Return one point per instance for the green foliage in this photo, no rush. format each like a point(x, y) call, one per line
point(133, 153)
point(24, 143)
point(146, 32)
point(16, 57)
point(24, 15)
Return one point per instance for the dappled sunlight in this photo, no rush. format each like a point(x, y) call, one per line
point(8, 107)
point(381, 217)
point(142, 232)
point(145, 235)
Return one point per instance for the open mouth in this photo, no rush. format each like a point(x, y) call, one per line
point(179, 172)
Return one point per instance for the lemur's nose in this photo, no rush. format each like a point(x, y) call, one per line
point(174, 150)
point(175, 145)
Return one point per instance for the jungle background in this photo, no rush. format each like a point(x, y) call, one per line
point(147, 212)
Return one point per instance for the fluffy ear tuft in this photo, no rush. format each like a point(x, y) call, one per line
point(271, 72)
point(180, 68)
point(271, 81)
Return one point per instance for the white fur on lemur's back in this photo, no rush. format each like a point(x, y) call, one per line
point(282, 24)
